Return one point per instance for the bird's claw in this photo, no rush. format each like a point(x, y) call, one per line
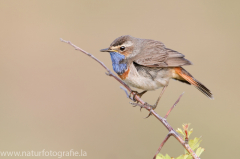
point(152, 107)
point(136, 104)
point(144, 106)
point(136, 94)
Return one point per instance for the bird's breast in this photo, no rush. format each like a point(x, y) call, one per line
point(124, 75)
point(153, 79)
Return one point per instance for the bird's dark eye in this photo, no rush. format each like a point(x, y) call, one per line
point(122, 48)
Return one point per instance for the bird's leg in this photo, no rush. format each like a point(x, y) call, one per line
point(155, 105)
point(163, 90)
point(138, 94)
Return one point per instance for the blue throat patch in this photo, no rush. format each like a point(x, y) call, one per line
point(118, 67)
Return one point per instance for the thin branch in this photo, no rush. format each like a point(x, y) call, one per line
point(161, 146)
point(173, 106)
point(142, 103)
point(109, 73)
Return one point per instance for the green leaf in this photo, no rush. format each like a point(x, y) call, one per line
point(199, 151)
point(167, 156)
point(160, 156)
point(180, 131)
point(194, 144)
point(190, 132)
point(183, 156)
point(189, 157)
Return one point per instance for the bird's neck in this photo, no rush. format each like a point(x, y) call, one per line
point(119, 66)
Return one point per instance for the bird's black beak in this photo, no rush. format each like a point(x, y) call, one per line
point(105, 50)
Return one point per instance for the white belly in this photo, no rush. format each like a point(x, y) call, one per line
point(135, 80)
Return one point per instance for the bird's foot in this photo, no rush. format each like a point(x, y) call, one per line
point(136, 94)
point(145, 105)
point(155, 105)
point(152, 107)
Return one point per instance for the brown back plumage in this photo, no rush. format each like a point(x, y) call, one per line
point(155, 54)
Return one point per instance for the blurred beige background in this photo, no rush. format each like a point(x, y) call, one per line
point(55, 98)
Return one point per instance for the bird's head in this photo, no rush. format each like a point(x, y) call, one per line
point(123, 45)
point(120, 49)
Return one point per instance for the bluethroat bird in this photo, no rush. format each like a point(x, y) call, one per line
point(148, 65)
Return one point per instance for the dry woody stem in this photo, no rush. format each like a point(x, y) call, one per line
point(143, 104)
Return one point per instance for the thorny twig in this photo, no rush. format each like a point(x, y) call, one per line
point(173, 106)
point(164, 141)
point(143, 104)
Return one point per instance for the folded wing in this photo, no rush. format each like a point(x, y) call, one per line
point(155, 54)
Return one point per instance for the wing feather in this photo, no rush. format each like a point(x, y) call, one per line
point(155, 54)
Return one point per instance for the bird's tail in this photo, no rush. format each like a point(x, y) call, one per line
point(187, 77)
